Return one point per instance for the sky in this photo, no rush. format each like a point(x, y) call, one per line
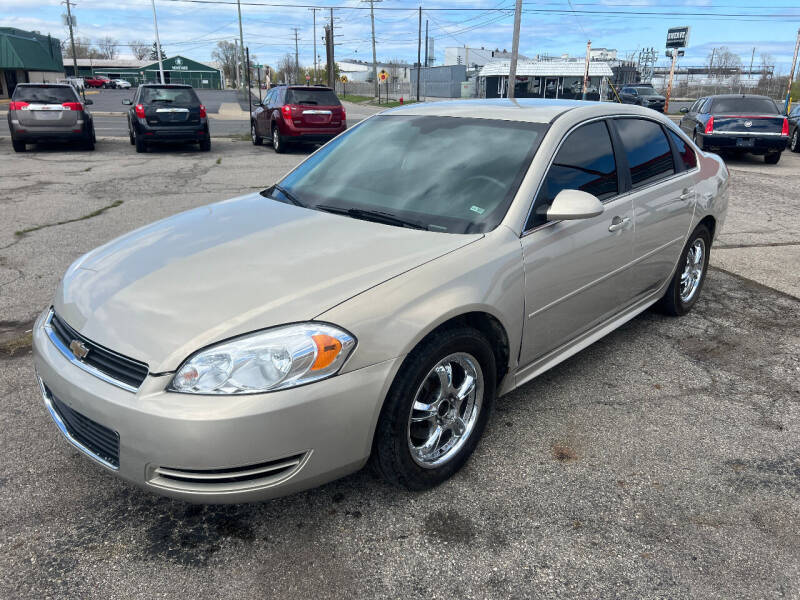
point(552, 27)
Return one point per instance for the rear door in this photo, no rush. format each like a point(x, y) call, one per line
point(663, 198)
point(314, 108)
point(689, 120)
point(47, 107)
point(170, 107)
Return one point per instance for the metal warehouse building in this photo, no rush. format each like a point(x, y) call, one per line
point(177, 69)
point(27, 57)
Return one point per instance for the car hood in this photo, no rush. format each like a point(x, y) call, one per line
point(164, 291)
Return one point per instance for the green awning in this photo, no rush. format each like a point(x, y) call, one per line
point(29, 51)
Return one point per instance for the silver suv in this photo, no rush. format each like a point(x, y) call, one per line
point(41, 112)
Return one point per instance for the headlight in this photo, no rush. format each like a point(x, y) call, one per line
point(273, 359)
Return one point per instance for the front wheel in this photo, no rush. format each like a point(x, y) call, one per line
point(772, 159)
point(686, 284)
point(436, 409)
point(256, 139)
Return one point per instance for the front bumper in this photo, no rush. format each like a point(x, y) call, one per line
point(221, 450)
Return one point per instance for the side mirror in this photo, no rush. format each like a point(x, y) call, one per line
point(684, 109)
point(127, 102)
point(574, 204)
point(88, 101)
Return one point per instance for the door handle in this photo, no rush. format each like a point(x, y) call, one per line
point(687, 194)
point(618, 223)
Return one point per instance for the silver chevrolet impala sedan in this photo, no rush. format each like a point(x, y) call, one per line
point(374, 302)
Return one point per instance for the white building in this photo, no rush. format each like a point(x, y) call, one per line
point(474, 57)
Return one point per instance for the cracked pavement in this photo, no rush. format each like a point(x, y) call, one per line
point(661, 462)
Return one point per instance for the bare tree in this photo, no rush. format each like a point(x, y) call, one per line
point(83, 48)
point(394, 68)
point(139, 49)
point(109, 47)
point(286, 69)
point(225, 54)
point(723, 62)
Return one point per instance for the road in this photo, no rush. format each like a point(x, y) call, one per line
point(661, 462)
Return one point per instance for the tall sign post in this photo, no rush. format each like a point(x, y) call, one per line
point(677, 38)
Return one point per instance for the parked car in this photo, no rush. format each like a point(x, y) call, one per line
point(643, 95)
point(48, 112)
point(167, 113)
point(794, 129)
point(76, 82)
point(98, 81)
point(121, 84)
point(738, 123)
point(297, 113)
point(377, 299)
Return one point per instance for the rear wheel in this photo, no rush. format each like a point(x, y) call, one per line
point(277, 141)
point(794, 145)
point(18, 146)
point(141, 146)
point(772, 159)
point(205, 144)
point(257, 139)
point(686, 284)
point(436, 409)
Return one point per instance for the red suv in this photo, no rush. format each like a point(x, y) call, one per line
point(98, 81)
point(297, 113)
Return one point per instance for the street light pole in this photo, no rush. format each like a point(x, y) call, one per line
point(241, 40)
point(512, 69)
point(791, 73)
point(158, 44)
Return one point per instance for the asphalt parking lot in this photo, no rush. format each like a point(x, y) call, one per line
point(661, 462)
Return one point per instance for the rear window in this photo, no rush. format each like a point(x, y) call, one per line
point(744, 106)
point(45, 94)
point(310, 96)
point(168, 95)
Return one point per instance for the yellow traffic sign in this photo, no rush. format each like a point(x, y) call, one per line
point(343, 78)
point(383, 76)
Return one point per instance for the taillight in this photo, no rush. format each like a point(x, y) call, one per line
point(710, 125)
point(72, 105)
point(18, 105)
point(344, 114)
point(286, 109)
point(139, 110)
point(785, 128)
point(202, 112)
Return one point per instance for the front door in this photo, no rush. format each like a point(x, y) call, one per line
point(576, 272)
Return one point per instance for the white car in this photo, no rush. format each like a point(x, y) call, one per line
point(121, 84)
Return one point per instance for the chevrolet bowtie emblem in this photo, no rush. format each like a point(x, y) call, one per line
point(79, 349)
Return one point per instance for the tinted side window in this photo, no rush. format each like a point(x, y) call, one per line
point(688, 156)
point(647, 149)
point(584, 162)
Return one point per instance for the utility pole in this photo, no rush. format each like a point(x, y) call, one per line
point(585, 70)
point(241, 37)
point(512, 69)
point(419, 52)
point(296, 57)
point(374, 56)
point(314, 16)
point(238, 64)
point(72, 42)
point(791, 73)
point(332, 58)
point(711, 69)
point(750, 73)
point(158, 44)
point(671, 74)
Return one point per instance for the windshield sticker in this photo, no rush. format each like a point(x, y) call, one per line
point(477, 209)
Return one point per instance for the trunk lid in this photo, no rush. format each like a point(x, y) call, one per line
point(748, 124)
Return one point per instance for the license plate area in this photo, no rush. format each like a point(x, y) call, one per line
point(745, 142)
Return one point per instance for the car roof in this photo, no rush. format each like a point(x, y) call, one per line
point(165, 85)
point(309, 87)
point(64, 85)
point(532, 110)
point(739, 96)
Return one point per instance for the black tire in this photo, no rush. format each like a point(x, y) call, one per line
point(672, 303)
point(130, 134)
point(18, 146)
point(278, 143)
point(141, 146)
point(794, 145)
point(89, 143)
point(697, 143)
point(391, 454)
point(205, 144)
point(256, 139)
point(772, 159)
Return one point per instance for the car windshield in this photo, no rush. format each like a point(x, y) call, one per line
point(646, 89)
point(320, 97)
point(744, 105)
point(169, 95)
point(448, 174)
point(50, 95)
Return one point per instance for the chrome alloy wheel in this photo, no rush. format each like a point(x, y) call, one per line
point(445, 410)
point(693, 270)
